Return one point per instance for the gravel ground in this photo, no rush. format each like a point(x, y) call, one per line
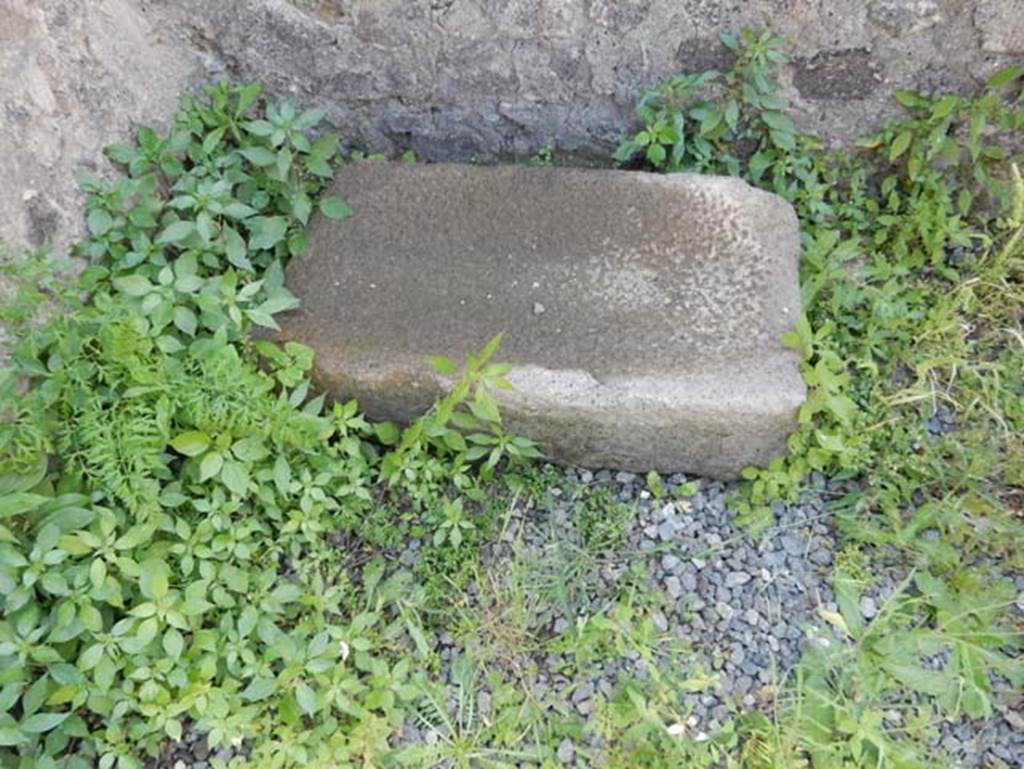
point(744, 607)
point(191, 753)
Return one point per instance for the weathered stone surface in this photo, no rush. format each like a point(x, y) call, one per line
point(1001, 23)
point(463, 79)
point(75, 75)
point(643, 313)
point(450, 79)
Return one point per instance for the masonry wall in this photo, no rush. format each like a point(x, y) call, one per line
point(450, 79)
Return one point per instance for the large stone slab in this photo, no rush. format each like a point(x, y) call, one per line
point(643, 313)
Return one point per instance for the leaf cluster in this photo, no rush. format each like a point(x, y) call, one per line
point(173, 494)
point(866, 692)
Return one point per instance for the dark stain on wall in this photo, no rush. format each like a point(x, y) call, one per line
point(848, 74)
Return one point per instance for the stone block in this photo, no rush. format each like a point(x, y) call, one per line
point(643, 313)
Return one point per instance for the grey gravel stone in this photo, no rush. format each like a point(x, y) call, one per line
point(868, 607)
point(566, 752)
point(584, 692)
point(821, 557)
point(659, 621)
point(793, 546)
point(666, 531)
point(724, 610)
point(673, 587)
point(737, 578)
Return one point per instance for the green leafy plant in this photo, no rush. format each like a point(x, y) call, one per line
point(711, 121)
point(910, 272)
point(169, 490)
point(864, 691)
point(452, 524)
point(642, 726)
point(603, 523)
point(544, 157)
point(466, 423)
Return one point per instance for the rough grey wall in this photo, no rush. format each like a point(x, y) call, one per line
point(452, 79)
point(75, 75)
point(465, 78)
